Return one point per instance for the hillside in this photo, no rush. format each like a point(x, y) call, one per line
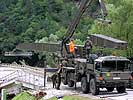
point(47, 20)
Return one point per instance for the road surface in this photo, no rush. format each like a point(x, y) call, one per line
point(64, 90)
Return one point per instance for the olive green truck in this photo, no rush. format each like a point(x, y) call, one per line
point(103, 72)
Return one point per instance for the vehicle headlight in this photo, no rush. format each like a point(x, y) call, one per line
point(108, 74)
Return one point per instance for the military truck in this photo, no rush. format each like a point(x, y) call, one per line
point(92, 71)
point(103, 72)
point(131, 78)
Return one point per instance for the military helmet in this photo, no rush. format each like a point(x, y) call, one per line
point(88, 38)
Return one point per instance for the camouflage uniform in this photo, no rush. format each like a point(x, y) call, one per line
point(88, 47)
point(56, 79)
point(53, 77)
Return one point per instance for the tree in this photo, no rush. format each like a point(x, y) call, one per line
point(53, 38)
point(43, 40)
point(121, 27)
point(29, 35)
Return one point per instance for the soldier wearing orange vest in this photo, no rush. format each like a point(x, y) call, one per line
point(71, 46)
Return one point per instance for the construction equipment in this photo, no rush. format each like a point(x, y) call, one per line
point(92, 6)
point(92, 71)
point(99, 72)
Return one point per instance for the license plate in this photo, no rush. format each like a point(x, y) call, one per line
point(116, 78)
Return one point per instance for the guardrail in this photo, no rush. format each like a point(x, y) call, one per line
point(27, 74)
point(18, 54)
point(26, 67)
point(24, 77)
point(8, 77)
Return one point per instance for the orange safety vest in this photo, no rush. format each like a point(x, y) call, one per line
point(71, 47)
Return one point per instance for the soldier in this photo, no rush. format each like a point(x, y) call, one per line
point(56, 78)
point(71, 47)
point(53, 77)
point(100, 53)
point(88, 46)
point(76, 52)
point(59, 76)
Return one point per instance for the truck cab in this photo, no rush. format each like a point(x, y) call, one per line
point(110, 72)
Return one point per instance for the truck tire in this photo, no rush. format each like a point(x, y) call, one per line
point(110, 89)
point(58, 82)
point(94, 89)
point(131, 84)
point(70, 82)
point(84, 85)
point(121, 89)
point(64, 79)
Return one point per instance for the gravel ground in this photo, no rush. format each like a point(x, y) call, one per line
point(65, 90)
point(104, 95)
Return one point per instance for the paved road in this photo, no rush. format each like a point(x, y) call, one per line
point(65, 90)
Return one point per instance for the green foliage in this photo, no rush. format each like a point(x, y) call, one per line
point(41, 33)
point(71, 98)
point(120, 12)
point(53, 98)
point(43, 40)
point(109, 51)
point(47, 20)
point(78, 42)
point(31, 20)
point(53, 38)
point(75, 98)
point(50, 60)
point(61, 32)
point(24, 96)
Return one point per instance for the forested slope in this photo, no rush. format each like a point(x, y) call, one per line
point(47, 20)
point(121, 14)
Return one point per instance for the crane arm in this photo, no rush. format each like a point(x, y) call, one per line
point(103, 8)
point(73, 25)
point(71, 29)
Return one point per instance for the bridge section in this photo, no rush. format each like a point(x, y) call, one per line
point(21, 79)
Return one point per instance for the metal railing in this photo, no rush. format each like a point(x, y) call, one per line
point(26, 78)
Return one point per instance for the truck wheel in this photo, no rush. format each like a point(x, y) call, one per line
point(121, 89)
point(110, 89)
point(94, 89)
point(64, 79)
point(70, 83)
point(130, 84)
point(58, 82)
point(84, 85)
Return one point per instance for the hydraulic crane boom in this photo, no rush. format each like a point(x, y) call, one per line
point(71, 29)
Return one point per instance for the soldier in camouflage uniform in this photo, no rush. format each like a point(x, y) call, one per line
point(53, 77)
point(56, 78)
point(88, 47)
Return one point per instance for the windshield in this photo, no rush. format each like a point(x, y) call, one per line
point(115, 66)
